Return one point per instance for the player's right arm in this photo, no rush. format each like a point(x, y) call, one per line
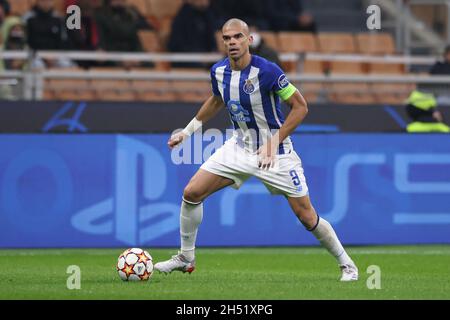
point(207, 111)
point(209, 108)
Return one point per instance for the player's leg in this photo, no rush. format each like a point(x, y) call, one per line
point(201, 185)
point(289, 180)
point(325, 233)
point(227, 166)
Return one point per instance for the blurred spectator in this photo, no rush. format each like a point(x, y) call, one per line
point(118, 26)
point(422, 109)
point(46, 30)
point(12, 32)
point(442, 67)
point(4, 11)
point(193, 30)
point(68, 3)
point(440, 90)
point(87, 37)
point(288, 15)
point(251, 11)
point(260, 48)
point(142, 22)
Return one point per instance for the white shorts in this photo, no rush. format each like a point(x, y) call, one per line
point(233, 162)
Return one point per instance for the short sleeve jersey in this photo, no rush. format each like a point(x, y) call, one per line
point(252, 97)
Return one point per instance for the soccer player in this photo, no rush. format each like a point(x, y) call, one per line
point(250, 87)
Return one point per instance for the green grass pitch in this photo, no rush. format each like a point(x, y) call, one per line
point(407, 272)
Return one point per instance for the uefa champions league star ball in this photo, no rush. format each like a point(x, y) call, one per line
point(135, 264)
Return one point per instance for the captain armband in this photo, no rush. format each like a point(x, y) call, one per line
point(287, 92)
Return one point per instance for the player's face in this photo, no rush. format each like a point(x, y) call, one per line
point(236, 42)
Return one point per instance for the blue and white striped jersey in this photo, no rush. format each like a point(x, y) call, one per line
point(252, 97)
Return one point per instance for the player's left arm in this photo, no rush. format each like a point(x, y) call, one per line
point(299, 110)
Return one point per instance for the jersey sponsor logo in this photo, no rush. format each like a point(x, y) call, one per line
point(248, 88)
point(283, 82)
point(238, 113)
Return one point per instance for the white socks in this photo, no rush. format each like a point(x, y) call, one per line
point(191, 216)
point(324, 232)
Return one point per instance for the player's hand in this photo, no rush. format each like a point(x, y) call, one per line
point(176, 139)
point(266, 155)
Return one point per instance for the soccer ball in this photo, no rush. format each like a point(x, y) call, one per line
point(135, 265)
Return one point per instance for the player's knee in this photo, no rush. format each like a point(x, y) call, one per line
point(192, 194)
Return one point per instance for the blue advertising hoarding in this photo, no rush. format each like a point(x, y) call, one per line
point(125, 190)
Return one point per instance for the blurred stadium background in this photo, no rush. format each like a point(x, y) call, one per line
point(85, 116)
point(340, 62)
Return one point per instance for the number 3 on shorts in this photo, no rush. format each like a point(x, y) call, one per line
point(295, 178)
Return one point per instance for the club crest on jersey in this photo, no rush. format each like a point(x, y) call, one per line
point(283, 82)
point(249, 88)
